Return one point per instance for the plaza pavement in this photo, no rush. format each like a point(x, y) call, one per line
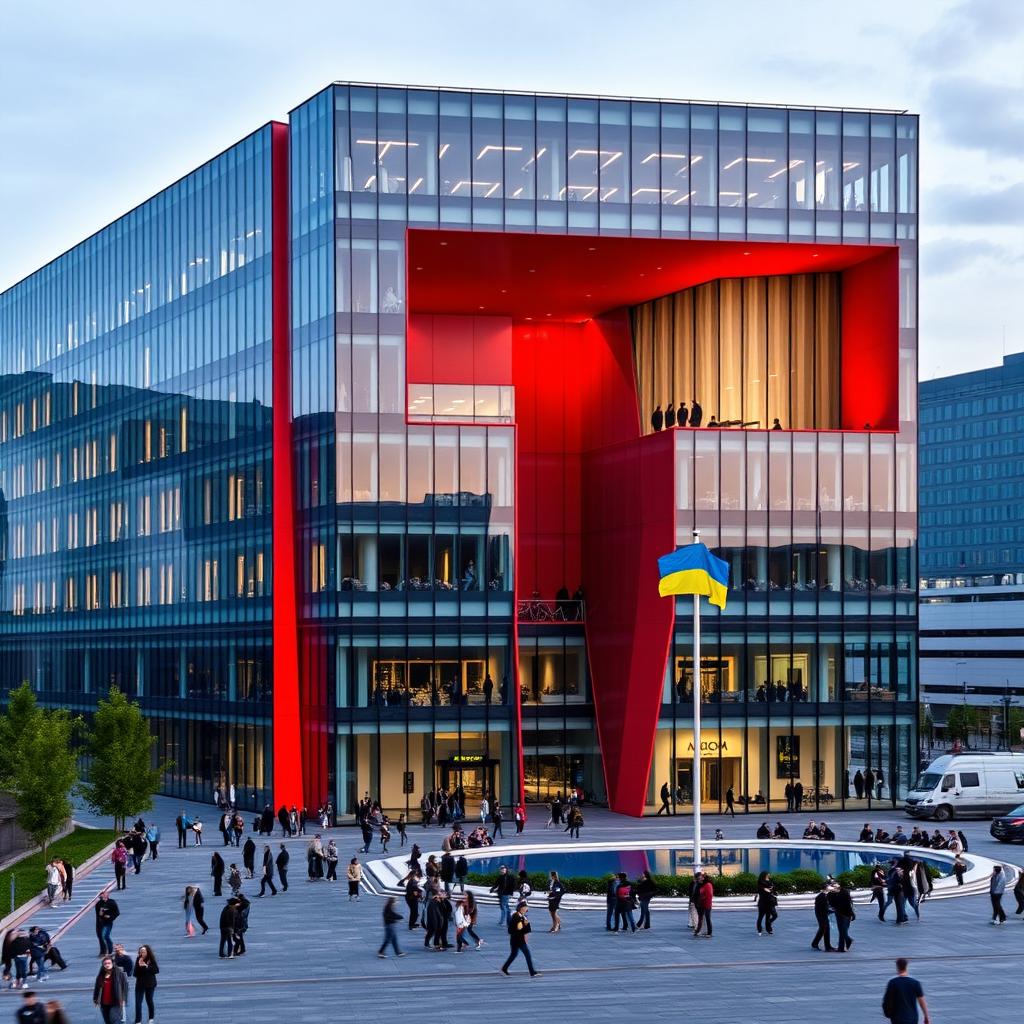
point(312, 954)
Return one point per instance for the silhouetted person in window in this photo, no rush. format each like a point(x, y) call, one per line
point(577, 599)
point(681, 415)
point(488, 688)
point(696, 413)
point(562, 602)
point(670, 416)
point(713, 422)
point(657, 417)
point(776, 425)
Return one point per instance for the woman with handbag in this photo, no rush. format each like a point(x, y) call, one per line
point(555, 892)
point(767, 901)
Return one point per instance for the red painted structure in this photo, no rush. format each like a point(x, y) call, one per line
point(288, 746)
point(594, 497)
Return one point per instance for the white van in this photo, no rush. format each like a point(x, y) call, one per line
point(968, 784)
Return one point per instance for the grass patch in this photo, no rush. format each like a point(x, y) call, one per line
point(742, 884)
point(30, 874)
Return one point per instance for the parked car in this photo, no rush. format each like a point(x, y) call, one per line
point(1010, 827)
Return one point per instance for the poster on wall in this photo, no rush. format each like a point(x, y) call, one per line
point(787, 757)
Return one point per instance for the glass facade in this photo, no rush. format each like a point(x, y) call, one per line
point(417, 667)
point(972, 475)
point(135, 472)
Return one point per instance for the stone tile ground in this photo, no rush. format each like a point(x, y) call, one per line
point(312, 955)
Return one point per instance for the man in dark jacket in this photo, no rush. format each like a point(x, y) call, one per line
point(241, 923)
point(110, 991)
point(267, 873)
point(821, 909)
point(227, 930)
point(31, 1010)
point(518, 930)
point(447, 871)
point(842, 906)
point(107, 912)
point(696, 413)
point(282, 868)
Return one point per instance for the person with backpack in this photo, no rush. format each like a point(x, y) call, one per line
point(391, 919)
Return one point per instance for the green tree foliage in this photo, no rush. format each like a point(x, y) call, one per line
point(961, 722)
point(44, 775)
point(121, 779)
point(18, 720)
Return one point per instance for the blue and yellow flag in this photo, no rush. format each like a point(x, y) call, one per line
point(694, 570)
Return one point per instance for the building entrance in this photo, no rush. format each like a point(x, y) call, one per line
point(475, 773)
point(716, 776)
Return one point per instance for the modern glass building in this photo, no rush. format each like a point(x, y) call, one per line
point(972, 476)
point(470, 306)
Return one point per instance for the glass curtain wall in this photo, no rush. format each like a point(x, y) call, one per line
point(136, 476)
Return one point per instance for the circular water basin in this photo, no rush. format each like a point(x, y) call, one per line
point(678, 860)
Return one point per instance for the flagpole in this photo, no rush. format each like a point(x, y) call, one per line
point(696, 724)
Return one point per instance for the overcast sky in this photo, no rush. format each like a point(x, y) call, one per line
point(103, 104)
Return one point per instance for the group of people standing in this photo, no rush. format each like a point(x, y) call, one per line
point(681, 417)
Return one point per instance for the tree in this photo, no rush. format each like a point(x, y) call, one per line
point(961, 721)
point(121, 779)
point(18, 720)
point(44, 775)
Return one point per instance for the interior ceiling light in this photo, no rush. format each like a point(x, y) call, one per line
point(491, 148)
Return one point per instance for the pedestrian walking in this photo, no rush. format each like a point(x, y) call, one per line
point(217, 872)
point(249, 857)
point(199, 908)
point(267, 873)
point(107, 912)
point(485, 809)
point(242, 908)
point(110, 992)
point(624, 900)
point(179, 824)
point(996, 888)
point(555, 892)
point(520, 817)
point(841, 901)
point(518, 941)
point(471, 912)
point(355, 876)
point(821, 914)
point(401, 825)
point(190, 928)
point(67, 877)
point(31, 1010)
point(331, 858)
point(145, 972)
point(153, 839)
point(227, 929)
point(645, 892)
point(504, 886)
point(53, 880)
point(767, 900)
point(497, 817)
point(197, 832)
point(730, 800)
point(878, 890)
point(960, 869)
point(462, 925)
point(666, 796)
point(574, 823)
point(705, 893)
point(119, 858)
point(282, 867)
point(903, 995)
point(391, 919)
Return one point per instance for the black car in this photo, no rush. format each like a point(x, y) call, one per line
point(1010, 827)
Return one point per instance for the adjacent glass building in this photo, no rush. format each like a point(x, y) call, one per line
point(476, 301)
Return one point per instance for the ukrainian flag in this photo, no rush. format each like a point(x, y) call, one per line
point(694, 570)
